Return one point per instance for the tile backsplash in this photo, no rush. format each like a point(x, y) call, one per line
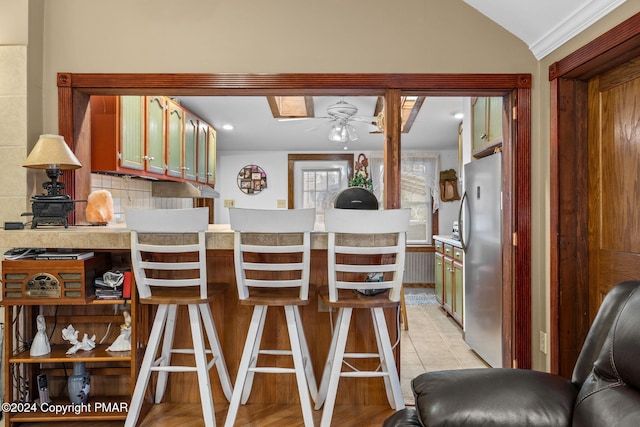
point(128, 192)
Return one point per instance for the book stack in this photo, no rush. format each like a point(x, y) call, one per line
point(115, 284)
point(104, 290)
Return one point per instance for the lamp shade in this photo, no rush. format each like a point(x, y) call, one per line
point(51, 151)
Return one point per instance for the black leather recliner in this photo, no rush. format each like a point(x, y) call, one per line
point(603, 391)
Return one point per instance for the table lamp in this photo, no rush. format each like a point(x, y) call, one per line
point(51, 153)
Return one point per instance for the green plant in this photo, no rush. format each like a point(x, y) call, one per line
point(360, 179)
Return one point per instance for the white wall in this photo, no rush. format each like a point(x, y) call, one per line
point(229, 163)
point(275, 164)
point(449, 210)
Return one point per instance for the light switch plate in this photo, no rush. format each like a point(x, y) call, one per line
point(281, 203)
point(544, 342)
point(229, 203)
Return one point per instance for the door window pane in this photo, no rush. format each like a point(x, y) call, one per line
point(418, 187)
point(320, 189)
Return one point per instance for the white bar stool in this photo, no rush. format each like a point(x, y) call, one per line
point(272, 257)
point(180, 279)
point(362, 243)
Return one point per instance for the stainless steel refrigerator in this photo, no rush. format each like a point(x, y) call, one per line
point(481, 235)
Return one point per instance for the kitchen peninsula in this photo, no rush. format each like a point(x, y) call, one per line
point(232, 319)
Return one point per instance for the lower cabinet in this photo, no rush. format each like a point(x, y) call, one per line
point(439, 285)
point(449, 273)
point(448, 284)
point(457, 292)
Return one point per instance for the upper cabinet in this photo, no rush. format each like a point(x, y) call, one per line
point(155, 147)
point(211, 153)
point(150, 136)
point(121, 122)
point(203, 139)
point(175, 140)
point(487, 125)
point(190, 146)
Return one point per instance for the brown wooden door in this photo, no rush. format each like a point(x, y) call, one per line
point(614, 180)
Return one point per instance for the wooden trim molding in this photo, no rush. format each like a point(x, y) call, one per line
point(293, 158)
point(392, 159)
point(569, 283)
point(612, 48)
point(72, 118)
point(520, 199)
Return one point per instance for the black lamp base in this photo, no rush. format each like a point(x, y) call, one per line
point(51, 210)
point(54, 188)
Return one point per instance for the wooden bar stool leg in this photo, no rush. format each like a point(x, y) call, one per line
point(326, 373)
point(298, 363)
point(216, 350)
point(248, 384)
point(245, 362)
point(336, 367)
point(403, 310)
point(167, 346)
point(145, 368)
point(306, 356)
point(388, 361)
point(202, 371)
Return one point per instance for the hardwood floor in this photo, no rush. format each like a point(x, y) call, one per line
point(250, 415)
point(433, 342)
point(255, 415)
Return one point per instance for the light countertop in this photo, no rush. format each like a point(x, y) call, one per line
point(219, 236)
point(448, 239)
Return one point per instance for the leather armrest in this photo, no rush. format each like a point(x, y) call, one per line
point(407, 417)
point(494, 397)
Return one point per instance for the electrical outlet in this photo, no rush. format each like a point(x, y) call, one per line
point(229, 203)
point(322, 307)
point(281, 204)
point(544, 342)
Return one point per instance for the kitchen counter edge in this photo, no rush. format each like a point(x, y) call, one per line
point(448, 240)
point(219, 236)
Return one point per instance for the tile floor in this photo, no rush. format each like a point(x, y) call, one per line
point(433, 342)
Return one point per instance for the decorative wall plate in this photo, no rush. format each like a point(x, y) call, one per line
point(252, 179)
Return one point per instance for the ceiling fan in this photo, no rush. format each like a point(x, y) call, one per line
point(341, 116)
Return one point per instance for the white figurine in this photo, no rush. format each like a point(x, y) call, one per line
point(40, 345)
point(123, 342)
point(71, 335)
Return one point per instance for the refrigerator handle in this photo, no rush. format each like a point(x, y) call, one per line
point(460, 223)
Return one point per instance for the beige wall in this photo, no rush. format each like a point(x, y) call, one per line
point(540, 151)
point(204, 36)
point(370, 36)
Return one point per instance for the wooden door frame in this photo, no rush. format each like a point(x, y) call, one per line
point(74, 90)
point(569, 283)
point(291, 164)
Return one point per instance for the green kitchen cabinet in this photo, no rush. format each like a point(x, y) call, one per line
point(175, 140)
point(190, 146)
point(487, 113)
point(439, 277)
point(156, 135)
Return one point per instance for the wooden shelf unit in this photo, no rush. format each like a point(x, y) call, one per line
point(113, 374)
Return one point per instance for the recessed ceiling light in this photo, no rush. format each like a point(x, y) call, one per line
point(227, 127)
point(458, 116)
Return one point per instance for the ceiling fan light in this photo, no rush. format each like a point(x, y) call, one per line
point(342, 132)
point(335, 134)
point(351, 133)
